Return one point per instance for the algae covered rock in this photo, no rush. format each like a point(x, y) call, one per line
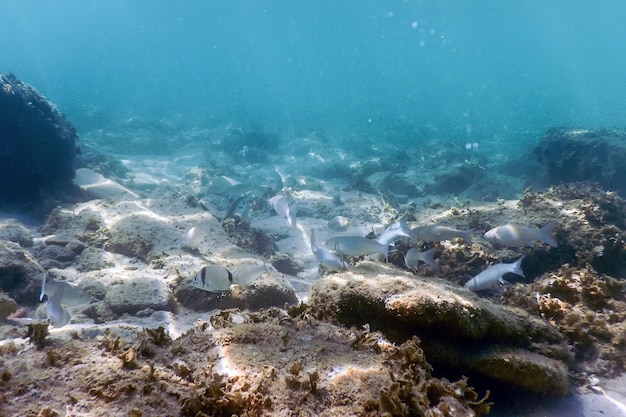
point(38, 146)
point(21, 273)
point(7, 306)
point(454, 324)
point(584, 155)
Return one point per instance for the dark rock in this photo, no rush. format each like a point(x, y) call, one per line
point(20, 274)
point(457, 178)
point(37, 146)
point(13, 231)
point(596, 155)
point(7, 306)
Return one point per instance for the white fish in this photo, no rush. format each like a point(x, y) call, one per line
point(414, 256)
point(338, 224)
point(284, 209)
point(325, 256)
point(436, 233)
point(394, 231)
point(71, 294)
point(491, 276)
point(356, 246)
point(516, 236)
point(213, 278)
point(58, 316)
point(194, 236)
point(246, 274)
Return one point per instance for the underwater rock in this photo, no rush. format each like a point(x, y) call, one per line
point(456, 178)
point(387, 181)
point(37, 146)
point(530, 371)
point(12, 230)
point(93, 259)
point(139, 292)
point(21, 273)
point(584, 155)
point(7, 306)
point(450, 321)
point(335, 372)
point(137, 235)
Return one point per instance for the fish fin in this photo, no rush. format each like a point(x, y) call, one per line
point(429, 257)
point(467, 238)
point(43, 286)
point(546, 233)
point(518, 267)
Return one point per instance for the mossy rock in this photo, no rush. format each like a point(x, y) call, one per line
point(530, 371)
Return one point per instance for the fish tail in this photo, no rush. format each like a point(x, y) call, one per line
point(517, 267)
point(467, 237)
point(546, 233)
point(429, 257)
point(404, 227)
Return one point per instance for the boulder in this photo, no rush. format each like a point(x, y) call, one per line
point(138, 292)
point(7, 306)
point(37, 146)
point(20, 273)
point(584, 155)
point(14, 231)
point(458, 329)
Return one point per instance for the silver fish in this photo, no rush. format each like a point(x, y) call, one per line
point(516, 236)
point(246, 274)
point(194, 236)
point(213, 278)
point(491, 276)
point(356, 246)
point(58, 316)
point(284, 209)
point(394, 231)
point(71, 295)
point(414, 256)
point(338, 224)
point(325, 256)
point(239, 206)
point(436, 233)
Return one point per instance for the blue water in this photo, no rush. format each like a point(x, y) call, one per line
point(487, 71)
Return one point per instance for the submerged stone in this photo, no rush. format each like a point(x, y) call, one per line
point(454, 325)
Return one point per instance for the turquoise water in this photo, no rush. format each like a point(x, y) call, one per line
point(487, 71)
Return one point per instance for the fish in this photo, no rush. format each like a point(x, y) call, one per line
point(437, 233)
point(491, 276)
point(356, 246)
point(57, 315)
point(514, 235)
point(71, 295)
point(194, 236)
point(326, 257)
point(284, 209)
point(213, 278)
point(414, 256)
point(246, 274)
point(394, 231)
point(338, 224)
point(239, 206)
